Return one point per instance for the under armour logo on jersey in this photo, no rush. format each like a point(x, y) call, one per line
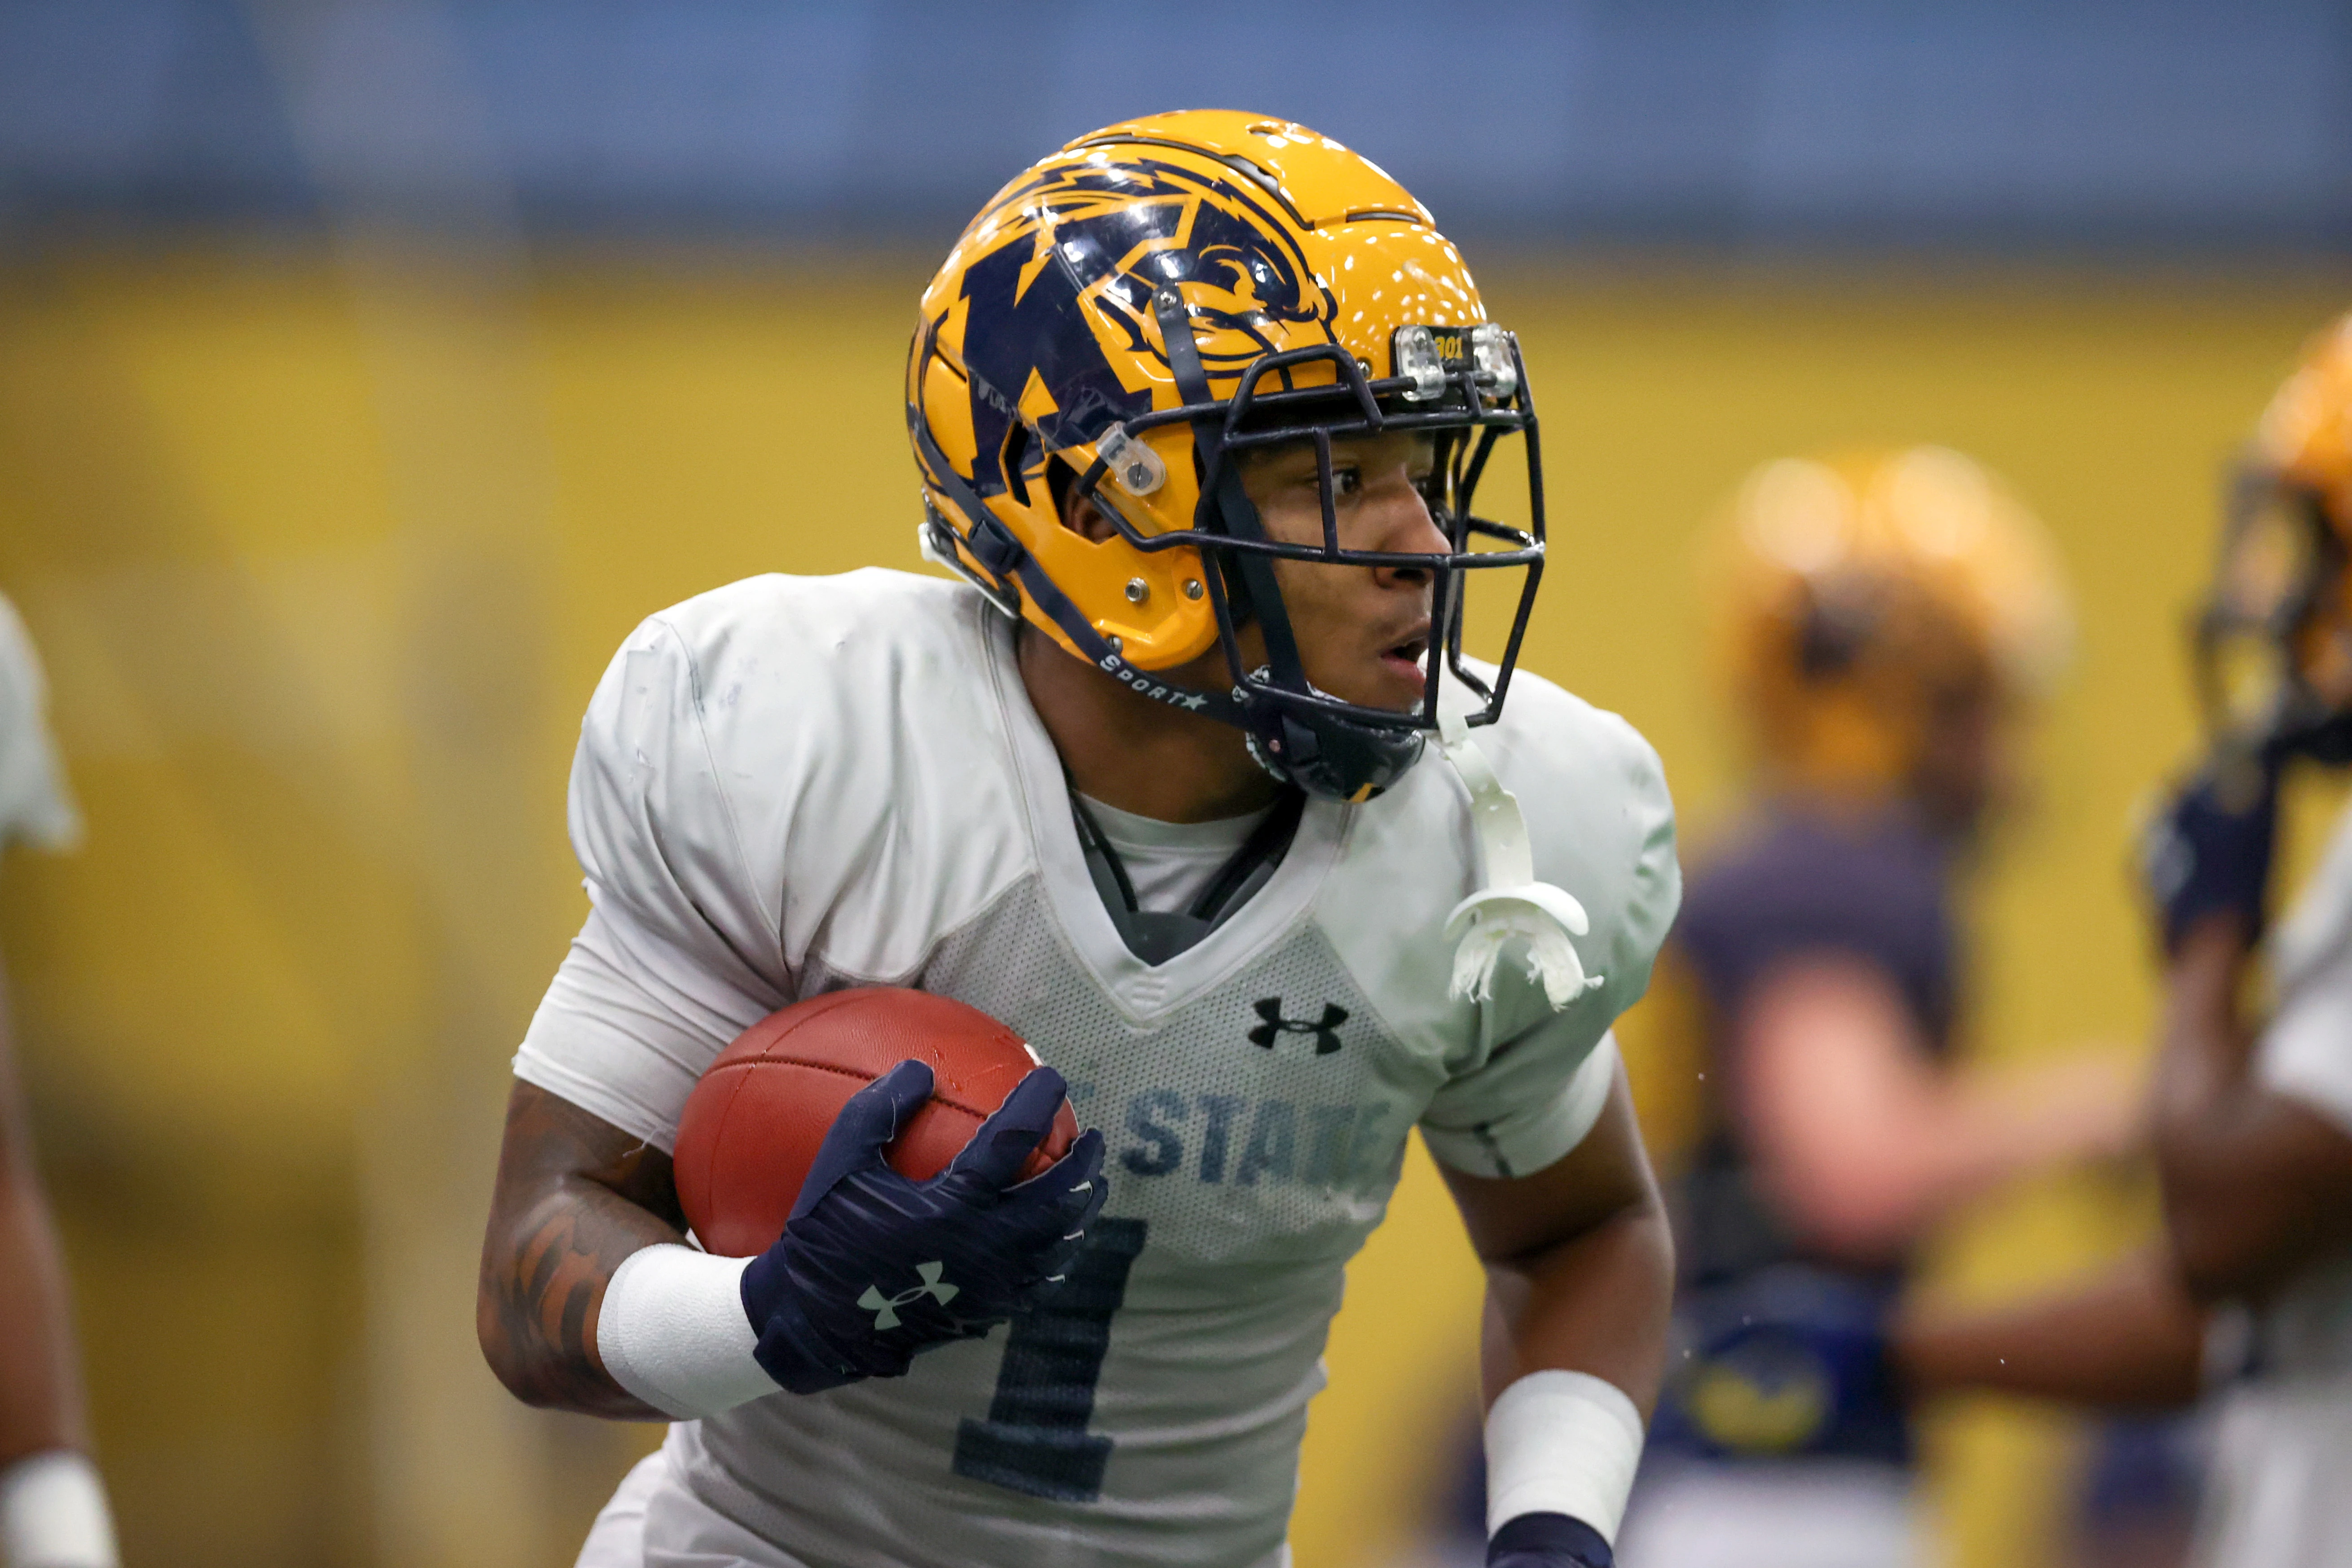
point(1325, 1031)
point(885, 1308)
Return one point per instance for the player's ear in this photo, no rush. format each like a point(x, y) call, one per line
point(1079, 513)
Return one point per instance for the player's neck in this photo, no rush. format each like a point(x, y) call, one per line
point(1141, 756)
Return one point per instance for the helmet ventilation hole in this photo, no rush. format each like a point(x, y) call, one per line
point(1016, 447)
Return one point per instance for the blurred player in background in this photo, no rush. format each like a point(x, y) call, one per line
point(2253, 1105)
point(1199, 404)
point(1889, 619)
point(53, 1512)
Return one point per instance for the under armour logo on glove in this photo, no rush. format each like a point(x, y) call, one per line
point(885, 1308)
point(1326, 1033)
point(1004, 1238)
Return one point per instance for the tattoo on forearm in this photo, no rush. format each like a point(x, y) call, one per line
point(575, 1197)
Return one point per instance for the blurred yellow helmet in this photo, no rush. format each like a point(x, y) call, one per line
point(1148, 305)
point(1861, 591)
point(2305, 437)
point(2274, 642)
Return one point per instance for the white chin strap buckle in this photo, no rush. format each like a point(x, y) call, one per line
point(1512, 906)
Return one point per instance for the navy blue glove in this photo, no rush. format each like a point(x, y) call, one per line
point(1548, 1541)
point(2210, 851)
point(873, 1268)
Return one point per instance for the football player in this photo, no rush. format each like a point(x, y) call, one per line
point(2252, 1109)
point(53, 1512)
point(1886, 618)
point(1189, 782)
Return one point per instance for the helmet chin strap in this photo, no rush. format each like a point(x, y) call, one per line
point(1511, 906)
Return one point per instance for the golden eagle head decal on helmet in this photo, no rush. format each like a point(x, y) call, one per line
point(1131, 316)
point(2274, 639)
point(1860, 592)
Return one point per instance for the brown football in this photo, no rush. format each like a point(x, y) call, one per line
point(751, 1127)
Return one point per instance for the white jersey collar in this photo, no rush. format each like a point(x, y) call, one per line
point(1141, 990)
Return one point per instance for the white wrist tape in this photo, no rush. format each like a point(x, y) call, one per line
point(53, 1513)
point(673, 1333)
point(1562, 1442)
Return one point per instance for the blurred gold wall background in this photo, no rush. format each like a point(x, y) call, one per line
point(325, 555)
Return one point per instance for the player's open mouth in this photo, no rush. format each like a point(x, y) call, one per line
point(1404, 658)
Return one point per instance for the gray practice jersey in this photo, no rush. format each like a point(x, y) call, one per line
point(34, 804)
point(789, 785)
point(2279, 1496)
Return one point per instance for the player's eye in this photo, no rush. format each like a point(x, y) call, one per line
point(1346, 480)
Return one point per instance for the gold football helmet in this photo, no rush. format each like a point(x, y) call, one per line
point(1861, 591)
point(2275, 641)
point(1127, 317)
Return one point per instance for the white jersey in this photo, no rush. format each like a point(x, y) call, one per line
point(34, 804)
point(791, 786)
point(2283, 1446)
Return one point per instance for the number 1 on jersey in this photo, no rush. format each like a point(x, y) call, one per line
point(1035, 1439)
